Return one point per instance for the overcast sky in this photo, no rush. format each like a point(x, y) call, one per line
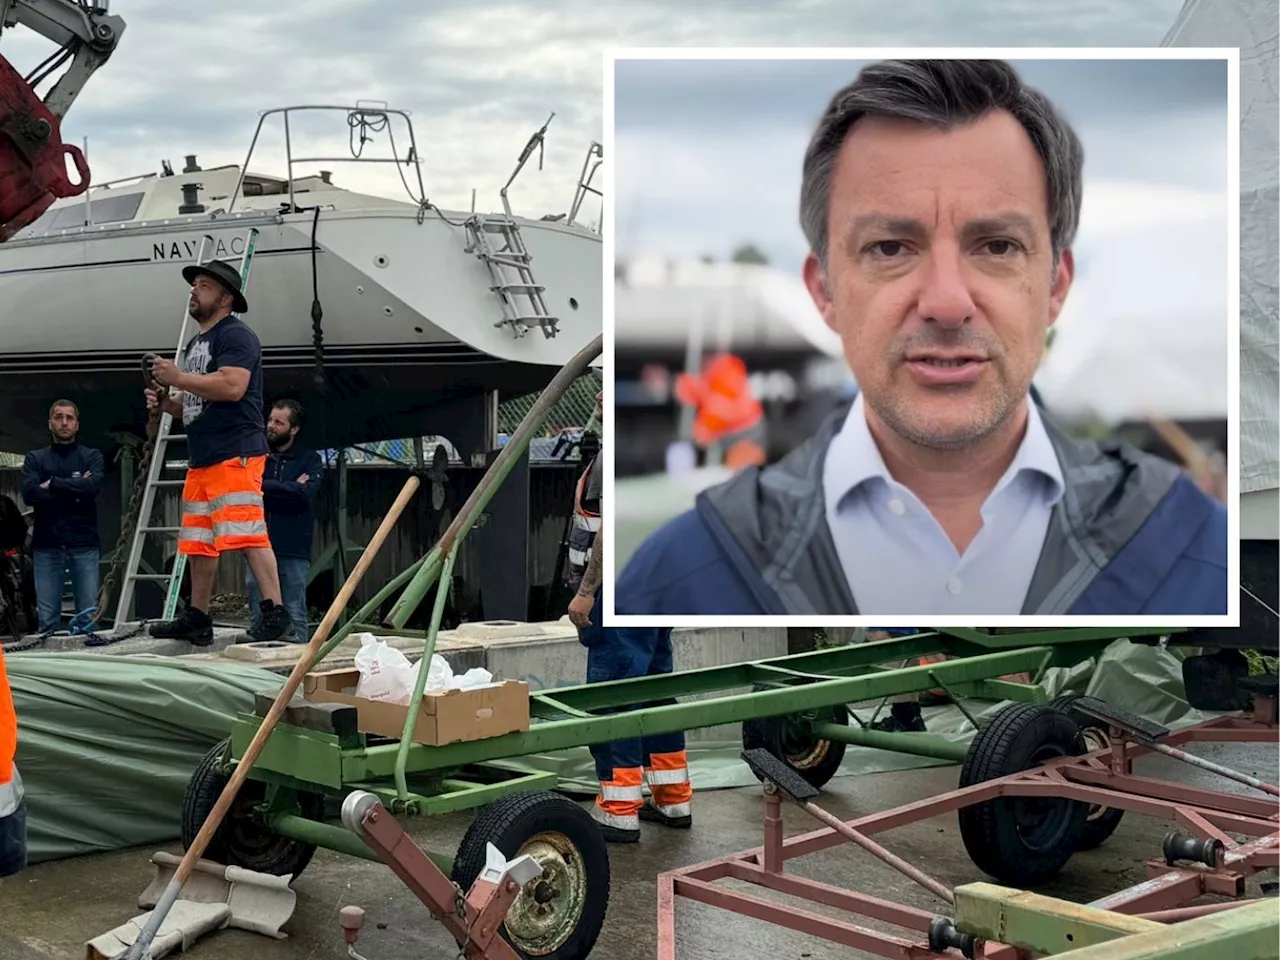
point(479, 77)
point(709, 152)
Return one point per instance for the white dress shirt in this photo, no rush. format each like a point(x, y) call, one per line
point(895, 555)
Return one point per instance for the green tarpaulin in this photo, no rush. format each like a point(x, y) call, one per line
point(107, 744)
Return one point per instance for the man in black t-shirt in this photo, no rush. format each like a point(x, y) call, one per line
point(220, 403)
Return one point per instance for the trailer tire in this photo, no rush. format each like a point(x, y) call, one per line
point(788, 738)
point(240, 839)
point(1100, 822)
point(1021, 841)
point(561, 835)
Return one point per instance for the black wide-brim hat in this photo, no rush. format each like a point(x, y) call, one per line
point(225, 274)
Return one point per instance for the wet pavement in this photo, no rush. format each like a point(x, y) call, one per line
point(52, 909)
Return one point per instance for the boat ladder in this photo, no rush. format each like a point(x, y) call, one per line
point(157, 477)
point(513, 280)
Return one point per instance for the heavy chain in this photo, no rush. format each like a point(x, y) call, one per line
point(460, 908)
point(127, 525)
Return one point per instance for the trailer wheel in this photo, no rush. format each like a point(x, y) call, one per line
point(1100, 822)
point(791, 738)
point(1021, 841)
point(557, 916)
point(241, 839)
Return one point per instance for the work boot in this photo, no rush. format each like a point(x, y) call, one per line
point(615, 828)
point(274, 622)
point(678, 815)
point(192, 625)
point(903, 718)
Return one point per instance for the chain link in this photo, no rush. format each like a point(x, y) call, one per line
point(460, 908)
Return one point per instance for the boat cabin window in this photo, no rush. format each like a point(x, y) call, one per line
point(113, 209)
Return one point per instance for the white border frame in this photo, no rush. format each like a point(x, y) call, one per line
point(1230, 54)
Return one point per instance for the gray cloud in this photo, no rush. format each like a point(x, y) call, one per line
point(684, 94)
point(708, 152)
point(479, 77)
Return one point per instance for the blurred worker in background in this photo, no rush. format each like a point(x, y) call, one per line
point(728, 418)
point(623, 653)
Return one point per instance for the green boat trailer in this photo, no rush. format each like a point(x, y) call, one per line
point(316, 759)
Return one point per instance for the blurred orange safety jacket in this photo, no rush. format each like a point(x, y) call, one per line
point(722, 397)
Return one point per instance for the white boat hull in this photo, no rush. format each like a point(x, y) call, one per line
point(408, 316)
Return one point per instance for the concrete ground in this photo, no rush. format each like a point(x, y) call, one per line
point(52, 909)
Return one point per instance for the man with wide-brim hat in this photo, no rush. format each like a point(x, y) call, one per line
point(226, 275)
point(219, 399)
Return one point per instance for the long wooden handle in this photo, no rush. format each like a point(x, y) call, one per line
point(300, 670)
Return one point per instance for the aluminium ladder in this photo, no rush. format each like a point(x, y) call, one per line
point(155, 480)
point(511, 272)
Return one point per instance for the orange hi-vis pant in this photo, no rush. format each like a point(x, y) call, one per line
point(668, 777)
point(621, 797)
point(222, 508)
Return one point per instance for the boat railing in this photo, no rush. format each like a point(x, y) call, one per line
point(367, 117)
point(590, 164)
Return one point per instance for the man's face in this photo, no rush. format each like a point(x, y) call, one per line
point(940, 277)
point(207, 298)
point(280, 431)
point(64, 424)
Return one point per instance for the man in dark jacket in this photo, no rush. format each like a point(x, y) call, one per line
point(289, 487)
point(940, 200)
point(60, 483)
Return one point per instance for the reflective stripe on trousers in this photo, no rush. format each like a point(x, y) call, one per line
point(668, 777)
point(11, 793)
point(623, 796)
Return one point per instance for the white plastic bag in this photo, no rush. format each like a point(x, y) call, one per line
point(473, 679)
point(439, 675)
point(385, 673)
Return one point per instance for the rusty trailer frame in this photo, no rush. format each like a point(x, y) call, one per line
point(1147, 920)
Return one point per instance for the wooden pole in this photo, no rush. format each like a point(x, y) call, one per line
point(141, 946)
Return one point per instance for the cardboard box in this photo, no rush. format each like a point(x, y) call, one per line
point(451, 717)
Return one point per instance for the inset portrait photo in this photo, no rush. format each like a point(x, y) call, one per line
point(928, 338)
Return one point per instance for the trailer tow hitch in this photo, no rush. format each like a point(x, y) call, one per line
point(472, 918)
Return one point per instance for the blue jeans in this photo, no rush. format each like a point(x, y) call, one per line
point(13, 841)
point(622, 653)
point(293, 592)
point(51, 568)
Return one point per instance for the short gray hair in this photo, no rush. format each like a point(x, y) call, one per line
point(943, 94)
